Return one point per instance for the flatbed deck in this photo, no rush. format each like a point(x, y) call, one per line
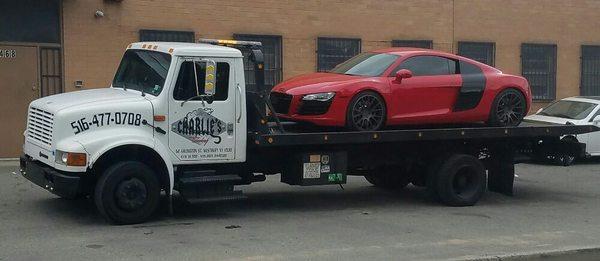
point(525, 130)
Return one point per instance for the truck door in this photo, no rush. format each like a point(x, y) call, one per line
point(201, 127)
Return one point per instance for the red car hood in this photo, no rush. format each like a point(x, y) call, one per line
point(315, 83)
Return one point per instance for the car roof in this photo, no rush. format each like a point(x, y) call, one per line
point(188, 49)
point(591, 99)
point(410, 50)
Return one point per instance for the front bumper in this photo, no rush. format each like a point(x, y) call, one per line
point(63, 184)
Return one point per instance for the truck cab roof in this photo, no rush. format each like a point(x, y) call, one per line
point(188, 49)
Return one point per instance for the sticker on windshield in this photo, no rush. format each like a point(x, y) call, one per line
point(200, 127)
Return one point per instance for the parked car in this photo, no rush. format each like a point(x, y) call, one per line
point(404, 86)
point(579, 110)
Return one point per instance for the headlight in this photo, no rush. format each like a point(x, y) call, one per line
point(325, 96)
point(71, 158)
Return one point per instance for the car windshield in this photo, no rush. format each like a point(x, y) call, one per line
point(143, 70)
point(366, 64)
point(574, 110)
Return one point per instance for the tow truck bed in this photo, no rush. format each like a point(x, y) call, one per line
point(526, 130)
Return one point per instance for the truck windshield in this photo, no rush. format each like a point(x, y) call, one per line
point(574, 110)
point(366, 64)
point(143, 70)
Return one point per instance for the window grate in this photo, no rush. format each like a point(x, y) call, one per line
point(590, 70)
point(425, 44)
point(333, 51)
point(50, 71)
point(479, 51)
point(272, 51)
point(538, 66)
point(166, 36)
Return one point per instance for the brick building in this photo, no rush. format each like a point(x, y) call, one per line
point(53, 46)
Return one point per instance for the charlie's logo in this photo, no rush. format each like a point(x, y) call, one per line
point(199, 126)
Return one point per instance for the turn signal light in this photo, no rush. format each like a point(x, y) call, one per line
point(76, 159)
point(159, 118)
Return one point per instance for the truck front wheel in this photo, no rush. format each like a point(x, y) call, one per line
point(128, 192)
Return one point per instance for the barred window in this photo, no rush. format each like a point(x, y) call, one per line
point(478, 51)
point(272, 51)
point(51, 71)
point(166, 36)
point(333, 51)
point(538, 66)
point(590, 70)
point(426, 44)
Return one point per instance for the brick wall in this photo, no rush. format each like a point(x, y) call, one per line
point(93, 46)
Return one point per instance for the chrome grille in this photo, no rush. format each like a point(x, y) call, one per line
point(39, 125)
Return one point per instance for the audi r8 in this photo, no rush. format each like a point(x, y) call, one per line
point(404, 86)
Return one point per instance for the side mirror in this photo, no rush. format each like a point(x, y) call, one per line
point(403, 74)
point(210, 79)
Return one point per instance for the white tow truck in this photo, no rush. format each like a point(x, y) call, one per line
point(178, 117)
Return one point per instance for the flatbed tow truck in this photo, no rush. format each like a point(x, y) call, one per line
point(179, 117)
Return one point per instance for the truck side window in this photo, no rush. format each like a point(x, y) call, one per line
point(185, 87)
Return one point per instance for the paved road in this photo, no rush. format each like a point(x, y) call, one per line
point(556, 208)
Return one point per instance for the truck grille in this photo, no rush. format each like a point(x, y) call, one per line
point(281, 102)
point(39, 125)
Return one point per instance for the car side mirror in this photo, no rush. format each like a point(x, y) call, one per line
point(403, 74)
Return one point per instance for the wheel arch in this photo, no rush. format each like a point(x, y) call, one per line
point(136, 152)
point(367, 89)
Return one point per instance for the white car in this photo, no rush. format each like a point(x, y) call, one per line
point(579, 110)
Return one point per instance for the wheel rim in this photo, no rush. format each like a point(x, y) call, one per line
point(131, 194)
point(464, 182)
point(511, 109)
point(367, 113)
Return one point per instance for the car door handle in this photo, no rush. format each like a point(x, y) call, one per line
point(239, 90)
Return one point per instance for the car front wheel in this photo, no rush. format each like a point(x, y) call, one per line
point(366, 112)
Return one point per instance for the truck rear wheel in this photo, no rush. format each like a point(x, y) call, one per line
point(128, 192)
point(458, 181)
point(388, 178)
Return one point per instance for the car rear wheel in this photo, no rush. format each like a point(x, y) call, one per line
point(366, 112)
point(508, 109)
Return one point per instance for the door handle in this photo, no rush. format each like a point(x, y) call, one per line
point(239, 90)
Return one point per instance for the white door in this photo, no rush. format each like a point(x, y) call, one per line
point(202, 128)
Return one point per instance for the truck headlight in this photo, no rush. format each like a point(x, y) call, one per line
point(324, 96)
point(71, 158)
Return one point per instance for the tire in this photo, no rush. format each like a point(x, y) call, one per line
point(128, 192)
point(459, 180)
point(388, 178)
point(508, 109)
point(564, 160)
point(366, 112)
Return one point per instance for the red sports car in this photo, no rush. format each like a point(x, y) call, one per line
point(404, 86)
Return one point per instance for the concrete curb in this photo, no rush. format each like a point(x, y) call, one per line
point(572, 254)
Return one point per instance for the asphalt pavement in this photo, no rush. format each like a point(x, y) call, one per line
point(555, 212)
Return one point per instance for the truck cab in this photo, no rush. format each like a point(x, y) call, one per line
point(169, 104)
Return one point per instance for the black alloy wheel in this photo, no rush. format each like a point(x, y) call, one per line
point(366, 112)
point(509, 108)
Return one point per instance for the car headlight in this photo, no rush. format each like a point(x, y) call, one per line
point(324, 96)
point(71, 158)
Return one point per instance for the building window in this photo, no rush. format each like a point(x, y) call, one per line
point(30, 21)
point(272, 51)
point(538, 66)
point(426, 44)
point(333, 51)
point(590, 70)
point(50, 71)
point(478, 51)
point(166, 36)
